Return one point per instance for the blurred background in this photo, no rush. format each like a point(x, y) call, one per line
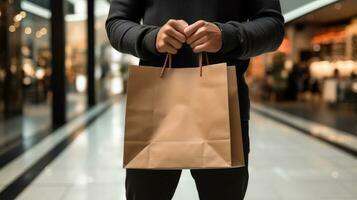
point(26, 65)
point(56, 66)
point(313, 74)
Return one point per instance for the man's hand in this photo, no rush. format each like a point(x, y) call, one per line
point(204, 36)
point(171, 36)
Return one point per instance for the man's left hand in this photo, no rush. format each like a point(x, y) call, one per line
point(204, 36)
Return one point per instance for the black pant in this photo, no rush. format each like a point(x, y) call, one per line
point(212, 184)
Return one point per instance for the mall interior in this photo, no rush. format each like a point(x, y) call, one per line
point(63, 94)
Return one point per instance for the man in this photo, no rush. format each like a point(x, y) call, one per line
point(230, 31)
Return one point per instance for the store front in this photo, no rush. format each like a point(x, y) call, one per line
point(32, 96)
point(317, 60)
point(313, 74)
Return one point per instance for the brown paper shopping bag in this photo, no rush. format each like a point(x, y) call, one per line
point(182, 118)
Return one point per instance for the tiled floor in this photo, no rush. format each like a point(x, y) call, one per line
point(284, 165)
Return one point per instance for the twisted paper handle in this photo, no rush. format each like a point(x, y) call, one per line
point(168, 60)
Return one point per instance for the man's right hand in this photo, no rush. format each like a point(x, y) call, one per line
point(171, 36)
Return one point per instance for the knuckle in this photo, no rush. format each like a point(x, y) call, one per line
point(166, 29)
point(204, 29)
point(161, 45)
point(159, 48)
point(171, 21)
point(165, 37)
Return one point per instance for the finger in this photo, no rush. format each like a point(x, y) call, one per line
point(177, 35)
point(200, 41)
point(173, 42)
point(167, 48)
point(194, 27)
point(197, 35)
point(171, 50)
point(178, 25)
point(183, 22)
point(201, 48)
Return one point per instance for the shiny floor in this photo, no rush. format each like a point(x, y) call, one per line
point(284, 165)
point(36, 119)
point(341, 117)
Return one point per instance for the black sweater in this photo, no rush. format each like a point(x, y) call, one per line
point(249, 28)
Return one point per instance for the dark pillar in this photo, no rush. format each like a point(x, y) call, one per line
point(58, 42)
point(91, 54)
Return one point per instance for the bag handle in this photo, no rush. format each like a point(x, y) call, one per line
point(168, 60)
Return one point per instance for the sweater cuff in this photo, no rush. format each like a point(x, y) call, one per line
point(230, 37)
point(149, 42)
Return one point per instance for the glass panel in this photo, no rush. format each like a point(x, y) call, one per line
point(76, 57)
point(111, 66)
point(25, 69)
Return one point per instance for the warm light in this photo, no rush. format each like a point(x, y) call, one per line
point(28, 30)
point(23, 14)
point(323, 69)
point(40, 74)
point(12, 28)
point(81, 83)
point(116, 86)
point(18, 18)
point(43, 31)
point(25, 50)
point(27, 81)
point(345, 67)
point(331, 35)
point(28, 69)
point(13, 69)
point(0, 13)
point(354, 87)
point(38, 34)
point(2, 74)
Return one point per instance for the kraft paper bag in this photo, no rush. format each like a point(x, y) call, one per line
point(182, 118)
point(235, 122)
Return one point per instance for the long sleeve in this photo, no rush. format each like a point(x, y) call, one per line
point(125, 32)
point(263, 32)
